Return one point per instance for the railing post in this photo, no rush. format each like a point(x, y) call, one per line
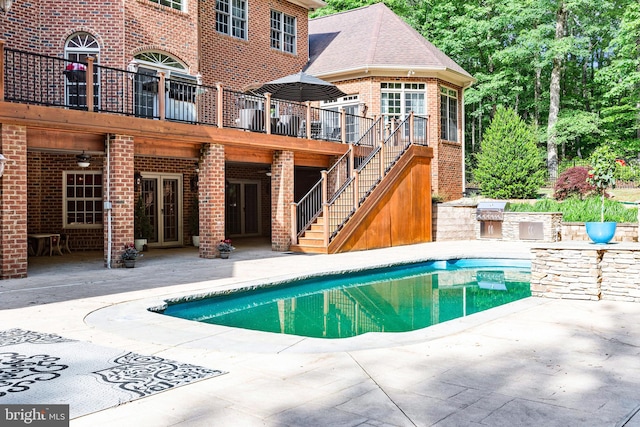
point(89, 83)
point(343, 125)
point(307, 128)
point(1, 70)
point(411, 128)
point(161, 96)
point(220, 95)
point(382, 154)
point(294, 223)
point(325, 208)
point(356, 189)
point(267, 119)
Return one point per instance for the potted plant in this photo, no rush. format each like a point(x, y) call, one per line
point(141, 224)
point(224, 248)
point(130, 255)
point(602, 176)
point(194, 222)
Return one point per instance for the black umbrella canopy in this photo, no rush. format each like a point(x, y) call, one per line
point(300, 87)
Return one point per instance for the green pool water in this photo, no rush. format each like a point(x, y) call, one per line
point(396, 299)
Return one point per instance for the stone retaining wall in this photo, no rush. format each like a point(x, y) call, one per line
point(625, 232)
point(453, 221)
point(457, 221)
point(576, 270)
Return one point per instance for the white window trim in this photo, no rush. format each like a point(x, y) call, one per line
point(84, 226)
point(282, 33)
point(450, 93)
point(172, 3)
point(231, 18)
point(402, 90)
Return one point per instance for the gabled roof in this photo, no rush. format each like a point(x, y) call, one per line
point(373, 40)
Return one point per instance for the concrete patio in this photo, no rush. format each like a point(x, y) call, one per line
point(533, 362)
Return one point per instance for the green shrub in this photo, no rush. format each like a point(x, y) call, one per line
point(509, 165)
point(576, 210)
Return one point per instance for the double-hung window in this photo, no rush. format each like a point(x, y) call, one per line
point(82, 202)
point(231, 18)
point(448, 114)
point(283, 32)
point(399, 99)
point(173, 4)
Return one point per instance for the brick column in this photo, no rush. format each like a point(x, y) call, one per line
point(281, 199)
point(121, 191)
point(13, 202)
point(433, 111)
point(211, 191)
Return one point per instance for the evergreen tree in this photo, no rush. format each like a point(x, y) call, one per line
point(510, 165)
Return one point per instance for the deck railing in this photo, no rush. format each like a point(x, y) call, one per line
point(32, 78)
point(347, 184)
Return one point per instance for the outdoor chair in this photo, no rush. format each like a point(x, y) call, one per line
point(64, 243)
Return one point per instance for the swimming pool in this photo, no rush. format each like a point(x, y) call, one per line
point(391, 299)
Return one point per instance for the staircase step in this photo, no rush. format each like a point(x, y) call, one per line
point(306, 241)
point(313, 234)
point(308, 249)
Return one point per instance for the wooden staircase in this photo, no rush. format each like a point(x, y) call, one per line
point(312, 241)
point(376, 195)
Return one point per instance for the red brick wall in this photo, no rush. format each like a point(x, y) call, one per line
point(282, 172)
point(43, 26)
point(13, 195)
point(150, 26)
point(121, 28)
point(44, 203)
point(211, 199)
point(122, 196)
point(235, 62)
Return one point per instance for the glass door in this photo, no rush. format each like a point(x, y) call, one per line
point(243, 208)
point(162, 195)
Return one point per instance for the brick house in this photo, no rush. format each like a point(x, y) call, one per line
point(161, 109)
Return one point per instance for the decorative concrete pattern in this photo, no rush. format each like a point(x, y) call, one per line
point(49, 369)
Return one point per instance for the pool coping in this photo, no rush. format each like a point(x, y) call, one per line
point(134, 320)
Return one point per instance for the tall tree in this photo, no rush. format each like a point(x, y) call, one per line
point(554, 92)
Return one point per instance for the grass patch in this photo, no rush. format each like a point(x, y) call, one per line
point(576, 210)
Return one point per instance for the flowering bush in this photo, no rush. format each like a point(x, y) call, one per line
point(225, 246)
point(130, 252)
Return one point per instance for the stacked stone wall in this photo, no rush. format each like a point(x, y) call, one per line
point(586, 271)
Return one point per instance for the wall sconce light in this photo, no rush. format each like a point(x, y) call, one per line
point(137, 179)
point(84, 160)
point(5, 5)
point(3, 160)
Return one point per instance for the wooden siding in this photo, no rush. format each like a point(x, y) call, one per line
point(399, 210)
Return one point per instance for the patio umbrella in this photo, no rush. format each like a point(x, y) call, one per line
point(300, 87)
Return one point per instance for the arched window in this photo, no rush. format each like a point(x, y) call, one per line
point(180, 86)
point(77, 49)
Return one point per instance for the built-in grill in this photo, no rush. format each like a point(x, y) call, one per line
point(490, 215)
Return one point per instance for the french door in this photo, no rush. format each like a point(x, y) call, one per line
point(243, 208)
point(162, 195)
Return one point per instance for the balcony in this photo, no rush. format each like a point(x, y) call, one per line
point(30, 78)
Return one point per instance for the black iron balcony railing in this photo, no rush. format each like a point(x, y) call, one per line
point(32, 78)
